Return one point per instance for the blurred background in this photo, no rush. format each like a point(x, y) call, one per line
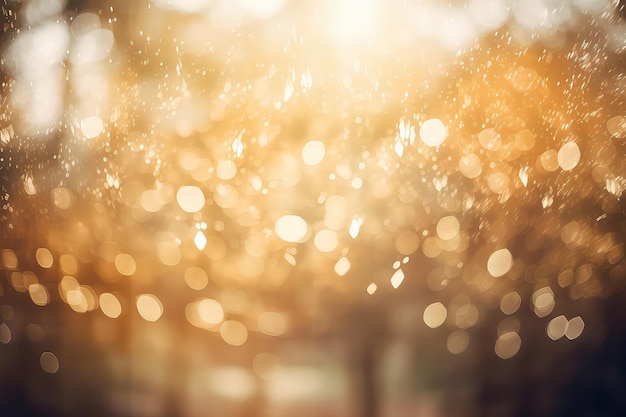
point(324, 208)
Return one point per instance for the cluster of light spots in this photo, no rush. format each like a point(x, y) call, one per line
point(49, 362)
point(110, 305)
point(435, 315)
point(405, 137)
point(313, 152)
point(190, 198)
point(80, 298)
point(244, 188)
point(560, 326)
point(433, 132)
point(500, 262)
point(291, 228)
point(149, 307)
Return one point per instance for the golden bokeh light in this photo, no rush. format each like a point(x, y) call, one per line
point(39, 294)
point(196, 278)
point(190, 198)
point(44, 258)
point(433, 132)
point(273, 323)
point(507, 345)
point(91, 127)
point(49, 362)
point(291, 228)
point(110, 305)
point(149, 307)
point(350, 207)
point(125, 264)
point(457, 342)
point(234, 332)
point(342, 266)
point(210, 311)
point(313, 152)
point(435, 315)
point(500, 262)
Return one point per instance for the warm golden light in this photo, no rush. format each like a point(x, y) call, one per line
point(435, 315)
point(211, 312)
point(190, 198)
point(291, 228)
point(234, 332)
point(433, 132)
point(110, 305)
point(196, 278)
point(285, 207)
point(342, 266)
point(44, 258)
point(125, 264)
point(508, 345)
point(39, 294)
point(149, 307)
point(500, 262)
point(397, 278)
point(313, 152)
point(91, 127)
point(354, 20)
point(569, 156)
point(448, 227)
